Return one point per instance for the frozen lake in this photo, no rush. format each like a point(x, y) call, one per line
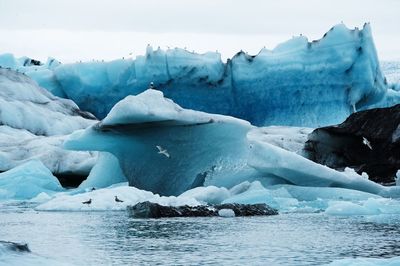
point(113, 238)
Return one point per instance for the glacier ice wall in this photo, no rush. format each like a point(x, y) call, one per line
point(298, 83)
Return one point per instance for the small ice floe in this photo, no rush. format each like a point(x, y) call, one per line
point(226, 213)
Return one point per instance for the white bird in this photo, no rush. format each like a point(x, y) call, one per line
point(161, 150)
point(366, 142)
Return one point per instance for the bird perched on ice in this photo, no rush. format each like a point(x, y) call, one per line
point(118, 200)
point(163, 151)
point(152, 87)
point(366, 142)
point(88, 202)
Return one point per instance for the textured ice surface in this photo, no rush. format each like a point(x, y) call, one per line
point(298, 83)
point(18, 146)
point(24, 105)
point(27, 181)
point(287, 138)
point(33, 124)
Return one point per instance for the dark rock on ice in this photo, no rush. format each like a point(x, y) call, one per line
point(153, 210)
point(12, 246)
point(368, 141)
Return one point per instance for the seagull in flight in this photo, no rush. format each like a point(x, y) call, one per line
point(366, 142)
point(161, 150)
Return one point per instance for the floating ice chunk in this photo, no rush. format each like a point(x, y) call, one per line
point(327, 193)
point(209, 195)
point(368, 207)
point(104, 200)
point(395, 261)
point(28, 181)
point(226, 213)
point(256, 193)
point(345, 208)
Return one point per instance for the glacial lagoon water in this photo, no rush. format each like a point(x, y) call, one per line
point(113, 238)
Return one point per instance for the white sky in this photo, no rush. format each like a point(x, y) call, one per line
point(72, 30)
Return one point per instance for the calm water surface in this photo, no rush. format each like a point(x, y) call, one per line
point(113, 238)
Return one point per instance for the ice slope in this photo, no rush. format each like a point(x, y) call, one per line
point(34, 124)
point(27, 181)
point(298, 83)
point(201, 147)
point(297, 170)
point(24, 105)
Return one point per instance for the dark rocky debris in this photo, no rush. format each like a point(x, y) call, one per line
point(368, 141)
point(16, 247)
point(153, 210)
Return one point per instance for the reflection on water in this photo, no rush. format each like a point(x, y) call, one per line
point(104, 238)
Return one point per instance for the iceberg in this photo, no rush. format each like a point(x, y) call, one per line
point(28, 181)
point(200, 148)
point(166, 149)
point(299, 83)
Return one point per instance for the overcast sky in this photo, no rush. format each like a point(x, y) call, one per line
point(72, 30)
